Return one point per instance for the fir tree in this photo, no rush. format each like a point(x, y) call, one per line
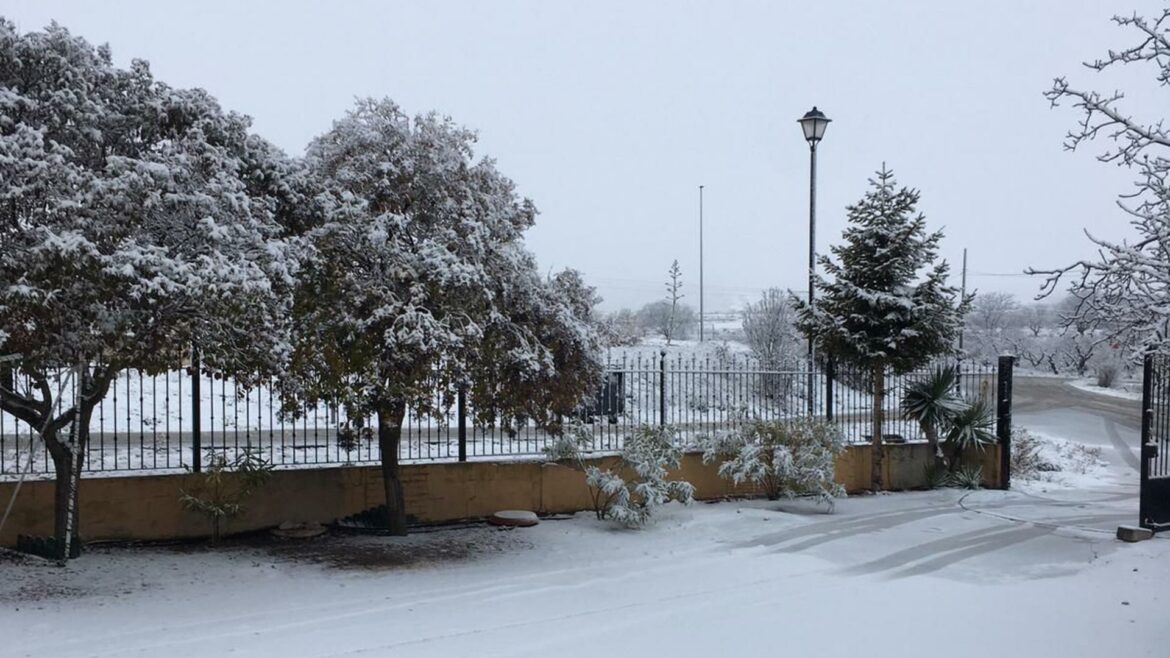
point(885, 304)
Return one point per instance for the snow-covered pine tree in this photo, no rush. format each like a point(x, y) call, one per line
point(885, 306)
point(135, 220)
point(418, 282)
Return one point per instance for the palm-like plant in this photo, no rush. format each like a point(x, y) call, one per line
point(973, 426)
point(931, 402)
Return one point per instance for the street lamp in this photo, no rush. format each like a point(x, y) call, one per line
point(813, 123)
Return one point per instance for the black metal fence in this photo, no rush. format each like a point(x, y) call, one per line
point(1154, 492)
point(170, 421)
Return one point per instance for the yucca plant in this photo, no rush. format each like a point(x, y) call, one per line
point(967, 477)
point(931, 402)
point(972, 426)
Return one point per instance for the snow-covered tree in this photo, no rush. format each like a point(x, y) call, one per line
point(991, 325)
point(1126, 289)
point(885, 306)
point(136, 220)
point(1036, 318)
point(418, 282)
point(668, 320)
point(621, 328)
point(769, 329)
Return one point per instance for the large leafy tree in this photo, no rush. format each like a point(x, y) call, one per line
point(135, 221)
point(885, 305)
point(1124, 293)
point(417, 282)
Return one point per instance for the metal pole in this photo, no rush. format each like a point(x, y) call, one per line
point(662, 388)
point(963, 295)
point(812, 264)
point(1147, 444)
point(196, 414)
point(1003, 420)
point(461, 402)
point(701, 316)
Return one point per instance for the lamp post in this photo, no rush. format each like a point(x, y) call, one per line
point(813, 123)
point(700, 263)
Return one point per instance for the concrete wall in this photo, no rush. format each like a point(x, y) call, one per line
point(147, 507)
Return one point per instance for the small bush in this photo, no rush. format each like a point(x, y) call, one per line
point(937, 476)
point(972, 426)
point(352, 433)
point(784, 458)
point(220, 498)
point(567, 445)
point(967, 477)
point(649, 452)
point(1107, 375)
point(1025, 459)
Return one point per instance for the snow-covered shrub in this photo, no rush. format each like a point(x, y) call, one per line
point(785, 458)
point(1026, 461)
point(649, 452)
point(1107, 374)
point(621, 328)
point(567, 445)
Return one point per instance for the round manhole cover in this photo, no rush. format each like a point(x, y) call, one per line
point(513, 517)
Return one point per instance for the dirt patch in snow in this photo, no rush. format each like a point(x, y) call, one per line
point(419, 550)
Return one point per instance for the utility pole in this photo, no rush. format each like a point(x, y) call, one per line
point(963, 295)
point(701, 317)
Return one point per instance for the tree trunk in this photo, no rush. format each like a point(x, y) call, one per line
point(63, 494)
point(931, 433)
point(390, 416)
point(956, 456)
point(66, 510)
point(877, 451)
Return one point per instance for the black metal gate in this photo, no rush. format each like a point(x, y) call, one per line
point(1154, 506)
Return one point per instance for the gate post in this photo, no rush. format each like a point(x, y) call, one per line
point(1003, 418)
point(196, 414)
point(662, 388)
point(461, 402)
point(1147, 426)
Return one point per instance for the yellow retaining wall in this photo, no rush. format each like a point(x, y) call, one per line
point(147, 507)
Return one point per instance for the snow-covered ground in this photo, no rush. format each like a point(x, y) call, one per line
point(898, 575)
point(1025, 573)
point(1129, 390)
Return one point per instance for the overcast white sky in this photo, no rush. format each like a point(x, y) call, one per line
point(609, 115)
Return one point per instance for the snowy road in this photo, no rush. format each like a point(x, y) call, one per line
point(1032, 572)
